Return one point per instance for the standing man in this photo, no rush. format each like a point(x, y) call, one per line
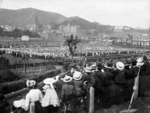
point(68, 92)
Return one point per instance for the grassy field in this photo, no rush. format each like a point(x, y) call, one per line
point(33, 71)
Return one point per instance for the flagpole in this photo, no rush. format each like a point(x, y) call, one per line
point(136, 84)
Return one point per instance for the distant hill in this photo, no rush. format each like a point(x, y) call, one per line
point(86, 25)
point(23, 17)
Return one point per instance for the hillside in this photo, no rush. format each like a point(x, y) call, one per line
point(86, 25)
point(23, 17)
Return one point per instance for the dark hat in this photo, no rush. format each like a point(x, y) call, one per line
point(133, 62)
point(73, 65)
point(99, 66)
point(145, 58)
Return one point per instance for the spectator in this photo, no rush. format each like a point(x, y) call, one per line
point(33, 98)
point(68, 92)
point(50, 102)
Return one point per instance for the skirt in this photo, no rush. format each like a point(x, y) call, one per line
point(36, 107)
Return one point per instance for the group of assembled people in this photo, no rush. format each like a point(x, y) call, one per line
point(53, 92)
point(73, 87)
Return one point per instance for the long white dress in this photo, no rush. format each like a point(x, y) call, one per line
point(50, 98)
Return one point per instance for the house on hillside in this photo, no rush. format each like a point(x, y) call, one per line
point(122, 28)
point(31, 27)
point(68, 29)
point(141, 40)
point(118, 29)
point(8, 28)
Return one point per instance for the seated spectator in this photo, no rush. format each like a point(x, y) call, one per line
point(19, 105)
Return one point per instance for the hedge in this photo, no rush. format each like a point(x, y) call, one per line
point(20, 84)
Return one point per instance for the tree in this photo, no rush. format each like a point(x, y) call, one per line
point(72, 42)
point(17, 32)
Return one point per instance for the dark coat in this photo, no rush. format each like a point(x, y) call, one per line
point(58, 86)
point(99, 80)
point(78, 84)
point(120, 77)
point(67, 91)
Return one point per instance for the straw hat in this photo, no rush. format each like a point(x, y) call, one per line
point(120, 65)
point(87, 70)
point(139, 61)
point(30, 83)
point(93, 66)
point(67, 78)
point(49, 81)
point(77, 75)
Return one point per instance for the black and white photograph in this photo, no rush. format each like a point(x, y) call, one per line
point(74, 56)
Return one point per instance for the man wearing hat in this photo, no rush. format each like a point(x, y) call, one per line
point(78, 83)
point(68, 91)
point(99, 83)
point(120, 81)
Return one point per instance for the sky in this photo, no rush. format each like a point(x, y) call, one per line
point(134, 13)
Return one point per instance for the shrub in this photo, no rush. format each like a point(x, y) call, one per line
point(7, 76)
point(9, 87)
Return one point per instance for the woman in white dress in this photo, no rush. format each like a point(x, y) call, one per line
point(50, 102)
point(33, 98)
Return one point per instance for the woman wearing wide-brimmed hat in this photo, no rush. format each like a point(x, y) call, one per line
point(33, 98)
point(50, 102)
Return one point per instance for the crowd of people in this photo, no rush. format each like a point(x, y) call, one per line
point(62, 51)
point(110, 79)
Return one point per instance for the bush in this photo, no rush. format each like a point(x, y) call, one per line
point(7, 76)
point(9, 87)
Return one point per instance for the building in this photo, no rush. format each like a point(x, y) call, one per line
point(122, 28)
point(142, 40)
point(68, 29)
point(7, 28)
point(31, 27)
